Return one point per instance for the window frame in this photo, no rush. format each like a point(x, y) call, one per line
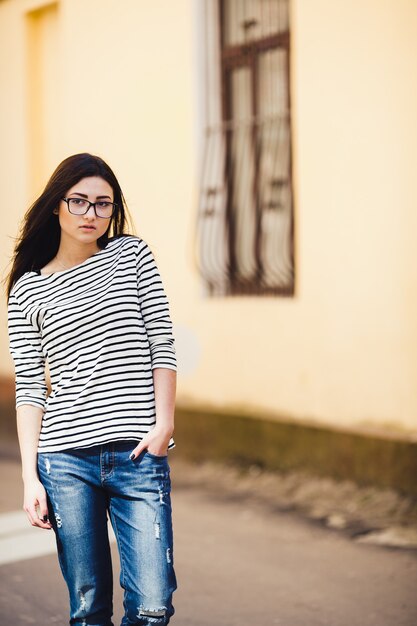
point(221, 256)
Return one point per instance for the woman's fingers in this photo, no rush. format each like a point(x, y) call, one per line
point(156, 441)
point(156, 450)
point(43, 510)
point(30, 512)
point(138, 450)
point(33, 501)
point(34, 518)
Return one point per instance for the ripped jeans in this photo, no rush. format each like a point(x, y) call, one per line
point(83, 486)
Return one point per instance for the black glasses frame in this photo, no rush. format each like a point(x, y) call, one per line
point(93, 204)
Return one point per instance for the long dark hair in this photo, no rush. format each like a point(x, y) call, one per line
point(40, 234)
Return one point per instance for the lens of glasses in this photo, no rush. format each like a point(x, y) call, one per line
point(78, 206)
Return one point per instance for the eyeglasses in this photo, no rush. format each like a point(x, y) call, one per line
point(79, 206)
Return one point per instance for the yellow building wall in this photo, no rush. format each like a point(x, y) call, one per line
point(125, 83)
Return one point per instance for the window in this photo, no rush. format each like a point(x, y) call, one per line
point(245, 219)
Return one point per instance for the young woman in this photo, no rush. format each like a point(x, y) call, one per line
point(86, 298)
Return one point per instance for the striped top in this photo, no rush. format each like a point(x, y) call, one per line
point(101, 326)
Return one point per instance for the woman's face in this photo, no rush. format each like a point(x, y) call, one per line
point(92, 188)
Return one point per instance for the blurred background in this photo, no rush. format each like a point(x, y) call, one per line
point(267, 150)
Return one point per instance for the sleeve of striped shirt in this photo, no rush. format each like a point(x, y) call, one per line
point(25, 349)
point(155, 310)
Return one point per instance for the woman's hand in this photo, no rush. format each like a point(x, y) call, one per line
point(34, 498)
point(156, 441)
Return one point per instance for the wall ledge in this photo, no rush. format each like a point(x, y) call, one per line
point(363, 456)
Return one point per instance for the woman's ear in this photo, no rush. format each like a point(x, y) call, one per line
point(56, 211)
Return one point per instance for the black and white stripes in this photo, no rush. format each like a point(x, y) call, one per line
point(102, 326)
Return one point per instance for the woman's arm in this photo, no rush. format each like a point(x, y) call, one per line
point(156, 441)
point(165, 383)
point(25, 344)
point(29, 419)
point(155, 312)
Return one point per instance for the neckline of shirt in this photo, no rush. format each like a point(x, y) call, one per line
point(60, 272)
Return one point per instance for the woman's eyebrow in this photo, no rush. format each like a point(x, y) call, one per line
point(83, 195)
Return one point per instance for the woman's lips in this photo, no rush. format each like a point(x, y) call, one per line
point(88, 227)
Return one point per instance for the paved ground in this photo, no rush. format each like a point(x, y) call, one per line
point(366, 514)
point(239, 562)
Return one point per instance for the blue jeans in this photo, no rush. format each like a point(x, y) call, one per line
point(84, 485)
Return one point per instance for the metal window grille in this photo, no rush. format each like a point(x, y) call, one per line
point(245, 225)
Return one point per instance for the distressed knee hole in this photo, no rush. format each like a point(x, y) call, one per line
point(83, 602)
point(151, 612)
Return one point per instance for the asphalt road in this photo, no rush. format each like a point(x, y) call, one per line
point(237, 564)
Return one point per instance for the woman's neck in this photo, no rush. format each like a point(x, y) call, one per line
point(70, 254)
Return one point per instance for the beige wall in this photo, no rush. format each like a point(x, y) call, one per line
point(343, 351)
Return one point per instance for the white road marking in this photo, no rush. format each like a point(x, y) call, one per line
point(19, 540)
